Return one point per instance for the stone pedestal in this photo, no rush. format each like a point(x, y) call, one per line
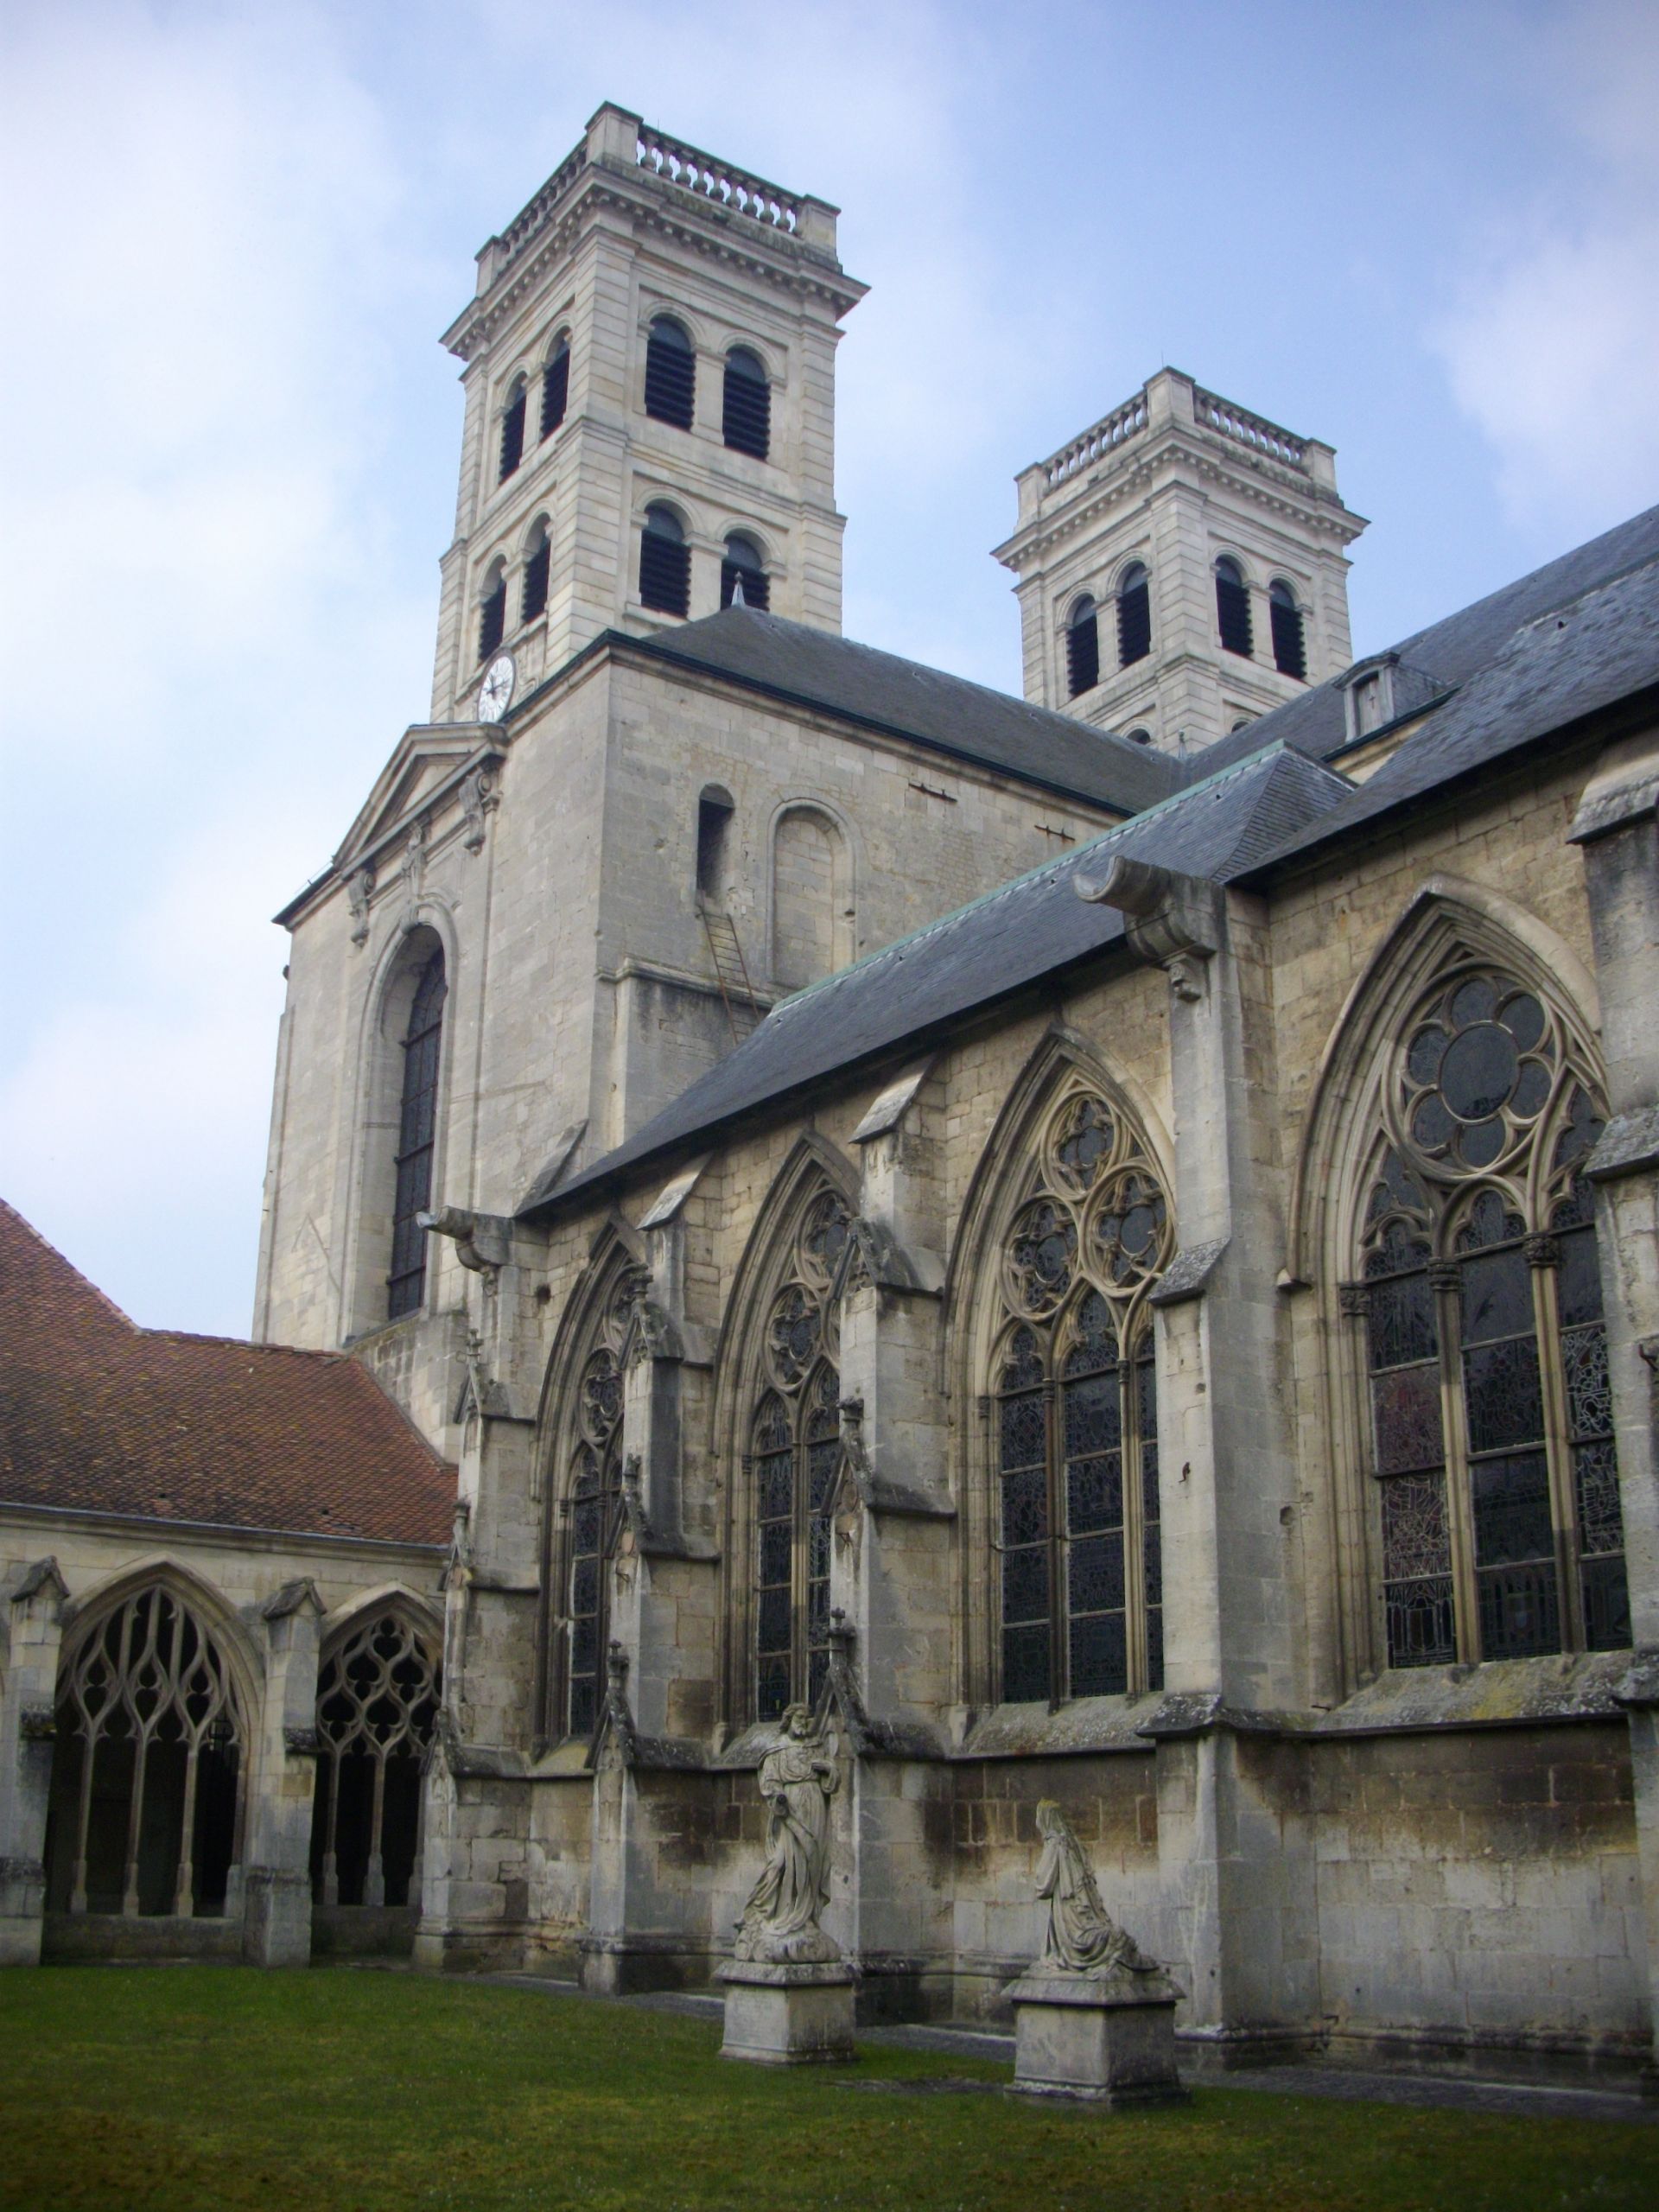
point(1108, 2038)
point(787, 2015)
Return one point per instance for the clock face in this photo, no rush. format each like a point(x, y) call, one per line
point(495, 693)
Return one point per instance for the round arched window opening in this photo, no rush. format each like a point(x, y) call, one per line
point(744, 569)
point(1082, 647)
point(671, 373)
point(665, 561)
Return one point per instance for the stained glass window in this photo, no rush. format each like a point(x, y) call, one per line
point(1076, 1419)
point(1481, 1295)
point(416, 1135)
point(794, 1460)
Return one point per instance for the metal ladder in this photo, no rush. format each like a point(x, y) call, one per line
point(731, 970)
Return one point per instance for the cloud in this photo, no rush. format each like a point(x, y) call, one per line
point(1553, 350)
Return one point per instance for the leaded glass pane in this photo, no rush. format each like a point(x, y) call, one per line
point(1095, 1573)
point(1519, 1614)
point(775, 1486)
point(1503, 1394)
point(776, 1545)
point(1601, 1519)
point(1416, 1568)
point(1578, 1280)
point(1419, 1616)
point(1606, 1604)
point(1496, 1297)
point(770, 1687)
point(1024, 1583)
point(1093, 1494)
point(1094, 1414)
point(1400, 1321)
point(1025, 1431)
point(1025, 1506)
point(1589, 1394)
point(1511, 1509)
point(772, 1633)
point(1025, 1663)
point(1099, 1656)
point(1405, 1411)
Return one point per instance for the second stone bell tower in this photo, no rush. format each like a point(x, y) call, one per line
point(650, 424)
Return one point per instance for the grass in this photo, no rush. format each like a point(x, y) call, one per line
point(204, 2089)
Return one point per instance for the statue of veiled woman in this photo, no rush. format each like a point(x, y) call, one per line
point(1082, 1937)
point(797, 1779)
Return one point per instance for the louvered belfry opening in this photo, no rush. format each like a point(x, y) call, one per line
point(147, 1775)
point(664, 563)
point(536, 563)
point(1289, 643)
point(493, 616)
point(555, 388)
point(743, 564)
point(670, 374)
point(1233, 608)
point(746, 412)
point(416, 1138)
point(1133, 615)
point(512, 433)
point(1082, 648)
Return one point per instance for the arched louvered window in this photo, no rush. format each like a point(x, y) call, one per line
point(1140, 737)
point(793, 1458)
point(148, 1771)
point(555, 386)
point(1075, 1414)
point(417, 1124)
point(538, 555)
point(746, 407)
point(664, 563)
point(1133, 615)
point(493, 610)
point(512, 431)
point(744, 566)
point(1289, 644)
point(1480, 1294)
point(1233, 607)
point(1082, 647)
point(671, 373)
point(377, 1706)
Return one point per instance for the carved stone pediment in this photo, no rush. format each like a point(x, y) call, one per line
point(432, 766)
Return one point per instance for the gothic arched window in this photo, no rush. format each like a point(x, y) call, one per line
point(591, 1508)
point(745, 564)
point(1075, 1414)
point(418, 1124)
point(1133, 614)
point(1081, 648)
point(377, 1706)
point(671, 373)
point(793, 1457)
point(746, 412)
point(665, 561)
point(1233, 608)
point(1497, 1506)
point(555, 385)
point(148, 1779)
point(1289, 642)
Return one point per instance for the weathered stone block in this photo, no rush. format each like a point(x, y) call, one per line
point(787, 2015)
point(1099, 2038)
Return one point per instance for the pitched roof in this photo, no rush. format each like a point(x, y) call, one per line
point(1456, 647)
point(1028, 932)
point(99, 1416)
point(1578, 659)
point(816, 668)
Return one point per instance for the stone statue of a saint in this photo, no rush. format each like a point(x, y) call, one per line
point(797, 1779)
point(1080, 1938)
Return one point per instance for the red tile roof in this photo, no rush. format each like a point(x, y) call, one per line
point(100, 1415)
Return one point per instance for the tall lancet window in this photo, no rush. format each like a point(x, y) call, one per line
point(418, 1124)
point(794, 1455)
point(1480, 1293)
point(592, 1508)
point(1074, 1411)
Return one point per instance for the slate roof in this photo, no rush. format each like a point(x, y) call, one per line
point(1454, 649)
point(99, 1416)
point(815, 668)
point(1028, 932)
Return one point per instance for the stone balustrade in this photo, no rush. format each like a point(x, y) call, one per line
point(1253, 430)
point(1109, 432)
point(719, 180)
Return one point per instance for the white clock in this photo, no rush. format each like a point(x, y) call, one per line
point(495, 693)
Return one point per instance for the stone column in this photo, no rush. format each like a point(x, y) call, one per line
point(33, 1627)
point(1617, 830)
point(1235, 1851)
point(282, 1756)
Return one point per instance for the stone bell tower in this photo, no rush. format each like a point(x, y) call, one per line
point(1182, 568)
point(652, 346)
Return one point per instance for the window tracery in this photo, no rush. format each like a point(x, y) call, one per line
point(1491, 1416)
point(377, 1706)
point(592, 1508)
point(1075, 1414)
point(793, 1457)
point(148, 1780)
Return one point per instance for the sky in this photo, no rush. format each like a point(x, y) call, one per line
point(231, 234)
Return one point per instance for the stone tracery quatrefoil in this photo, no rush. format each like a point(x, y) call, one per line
point(1130, 1232)
point(1478, 1068)
point(1042, 1254)
point(601, 1396)
point(794, 1333)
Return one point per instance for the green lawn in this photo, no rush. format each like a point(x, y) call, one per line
point(197, 2089)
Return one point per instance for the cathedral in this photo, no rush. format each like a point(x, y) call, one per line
point(1106, 1242)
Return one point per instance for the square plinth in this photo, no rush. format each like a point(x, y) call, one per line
point(787, 2015)
point(1075, 2038)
